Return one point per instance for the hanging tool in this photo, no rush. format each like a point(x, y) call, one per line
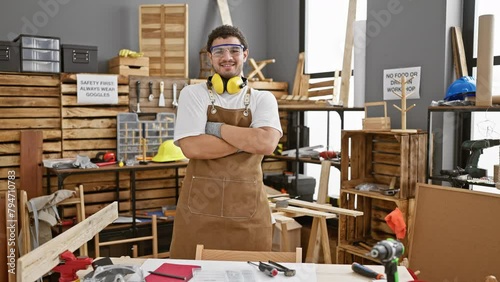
point(161, 103)
point(287, 271)
point(269, 270)
point(174, 95)
point(138, 94)
point(151, 96)
point(365, 271)
point(388, 252)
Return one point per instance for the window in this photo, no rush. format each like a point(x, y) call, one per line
point(484, 125)
point(323, 28)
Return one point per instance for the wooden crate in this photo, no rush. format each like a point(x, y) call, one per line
point(153, 106)
point(369, 228)
point(129, 66)
point(378, 157)
point(27, 102)
point(89, 129)
point(163, 37)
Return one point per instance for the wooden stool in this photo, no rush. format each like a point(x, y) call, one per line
point(257, 67)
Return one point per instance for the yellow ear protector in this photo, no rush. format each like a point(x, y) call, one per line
point(232, 85)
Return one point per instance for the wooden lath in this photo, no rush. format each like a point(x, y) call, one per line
point(459, 61)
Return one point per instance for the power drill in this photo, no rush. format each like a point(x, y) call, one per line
point(476, 147)
point(388, 252)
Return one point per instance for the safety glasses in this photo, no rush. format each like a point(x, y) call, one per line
point(234, 50)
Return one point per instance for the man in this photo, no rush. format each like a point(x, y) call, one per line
point(224, 128)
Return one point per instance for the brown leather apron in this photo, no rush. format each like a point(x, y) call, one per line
point(222, 203)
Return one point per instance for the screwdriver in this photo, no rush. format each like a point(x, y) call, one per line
point(365, 271)
point(269, 270)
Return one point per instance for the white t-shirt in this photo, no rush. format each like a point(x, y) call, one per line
point(194, 101)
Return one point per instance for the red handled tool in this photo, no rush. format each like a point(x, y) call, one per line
point(365, 271)
point(269, 270)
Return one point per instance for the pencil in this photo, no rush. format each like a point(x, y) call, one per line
point(168, 275)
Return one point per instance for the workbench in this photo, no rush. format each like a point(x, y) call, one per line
point(62, 174)
point(304, 271)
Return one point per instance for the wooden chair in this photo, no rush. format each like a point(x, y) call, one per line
point(153, 237)
point(77, 201)
point(227, 255)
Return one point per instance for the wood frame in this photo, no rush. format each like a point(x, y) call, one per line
point(231, 255)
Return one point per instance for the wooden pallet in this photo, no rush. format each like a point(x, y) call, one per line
point(27, 101)
point(163, 37)
point(89, 129)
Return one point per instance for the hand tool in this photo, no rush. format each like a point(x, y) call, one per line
point(174, 95)
point(388, 252)
point(138, 93)
point(151, 96)
point(287, 271)
point(161, 103)
point(365, 271)
point(269, 270)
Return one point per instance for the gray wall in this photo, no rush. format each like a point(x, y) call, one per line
point(416, 35)
point(113, 24)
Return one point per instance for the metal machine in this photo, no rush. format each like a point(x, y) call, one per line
point(471, 169)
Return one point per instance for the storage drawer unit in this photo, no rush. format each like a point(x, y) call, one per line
point(79, 58)
point(39, 53)
point(9, 56)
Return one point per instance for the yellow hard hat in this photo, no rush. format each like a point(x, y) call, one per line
point(168, 152)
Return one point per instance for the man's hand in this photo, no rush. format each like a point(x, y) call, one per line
point(213, 128)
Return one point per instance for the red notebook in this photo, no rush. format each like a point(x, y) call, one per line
point(183, 270)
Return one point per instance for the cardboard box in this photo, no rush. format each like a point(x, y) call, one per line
point(129, 66)
point(293, 229)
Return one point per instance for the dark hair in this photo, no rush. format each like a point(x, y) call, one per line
point(225, 31)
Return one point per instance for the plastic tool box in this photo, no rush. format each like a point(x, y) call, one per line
point(132, 128)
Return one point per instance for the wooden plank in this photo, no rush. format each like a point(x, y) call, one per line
point(29, 79)
point(347, 60)
point(320, 207)
point(31, 112)
point(89, 144)
point(27, 123)
point(89, 123)
point(459, 60)
point(3, 239)
point(31, 266)
point(225, 14)
point(85, 133)
point(31, 162)
point(110, 111)
point(29, 102)
point(16, 91)
point(68, 78)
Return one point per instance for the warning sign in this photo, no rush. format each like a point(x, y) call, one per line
point(97, 89)
point(392, 83)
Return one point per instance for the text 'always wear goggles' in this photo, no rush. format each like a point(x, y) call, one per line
point(234, 49)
